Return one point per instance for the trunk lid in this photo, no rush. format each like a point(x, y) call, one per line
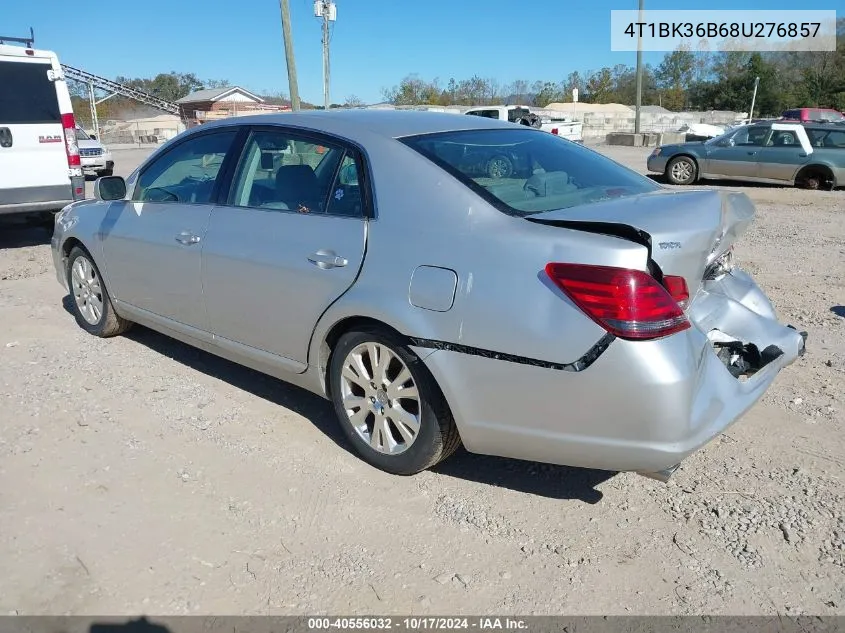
point(684, 231)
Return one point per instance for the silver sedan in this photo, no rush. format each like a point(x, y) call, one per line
point(560, 308)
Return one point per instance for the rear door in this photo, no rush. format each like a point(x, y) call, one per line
point(783, 156)
point(152, 243)
point(289, 242)
point(33, 158)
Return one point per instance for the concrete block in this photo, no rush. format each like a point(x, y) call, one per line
point(624, 138)
point(669, 138)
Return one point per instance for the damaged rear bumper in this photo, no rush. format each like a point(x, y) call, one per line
point(642, 406)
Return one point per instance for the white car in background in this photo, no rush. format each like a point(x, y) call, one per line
point(96, 157)
point(562, 126)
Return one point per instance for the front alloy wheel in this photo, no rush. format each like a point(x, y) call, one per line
point(682, 171)
point(92, 306)
point(87, 290)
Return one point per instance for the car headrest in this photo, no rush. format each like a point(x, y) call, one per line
point(300, 179)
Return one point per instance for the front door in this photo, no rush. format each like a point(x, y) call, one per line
point(736, 156)
point(153, 242)
point(288, 243)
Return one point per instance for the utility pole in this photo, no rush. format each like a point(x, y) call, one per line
point(639, 73)
point(291, 62)
point(326, 10)
point(753, 99)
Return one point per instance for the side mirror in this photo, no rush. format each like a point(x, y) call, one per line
point(110, 188)
point(92, 137)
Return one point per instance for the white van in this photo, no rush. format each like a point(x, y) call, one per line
point(40, 168)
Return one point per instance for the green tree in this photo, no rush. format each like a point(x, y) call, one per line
point(600, 86)
point(675, 76)
point(549, 92)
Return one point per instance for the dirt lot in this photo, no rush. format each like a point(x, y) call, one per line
point(140, 475)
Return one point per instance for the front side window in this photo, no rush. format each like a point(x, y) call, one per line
point(188, 172)
point(750, 136)
point(283, 173)
point(524, 171)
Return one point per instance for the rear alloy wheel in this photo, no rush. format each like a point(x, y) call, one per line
point(682, 171)
point(389, 405)
point(499, 167)
point(92, 306)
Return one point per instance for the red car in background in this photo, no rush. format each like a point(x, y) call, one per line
point(813, 114)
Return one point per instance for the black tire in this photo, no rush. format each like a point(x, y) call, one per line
point(498, 167)
point(437, 437)
point(682, 170)
point(105, 172)
point(109, 322)
point(814, 179)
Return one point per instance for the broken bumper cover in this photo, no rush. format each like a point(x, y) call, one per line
point(641, 406)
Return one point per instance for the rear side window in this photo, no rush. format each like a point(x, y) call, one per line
point(280, 172)
point(26, 94)
point(835, 139)
point(523, 171)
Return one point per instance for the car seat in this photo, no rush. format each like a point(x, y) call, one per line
point(297, 187)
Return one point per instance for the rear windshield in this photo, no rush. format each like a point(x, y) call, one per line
point(523, 171)
point(26, 94)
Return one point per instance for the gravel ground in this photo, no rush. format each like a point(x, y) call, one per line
point(140, 475)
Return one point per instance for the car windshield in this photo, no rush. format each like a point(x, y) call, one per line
point(81, 135)
point(524, 171)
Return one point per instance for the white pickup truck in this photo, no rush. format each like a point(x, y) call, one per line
point(563, 127)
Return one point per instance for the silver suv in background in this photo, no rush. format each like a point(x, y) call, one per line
point(96, 157)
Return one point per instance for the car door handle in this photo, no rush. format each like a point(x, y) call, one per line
point(751, 153)
point(187, 238)
point(327, 259)
point(802, 155)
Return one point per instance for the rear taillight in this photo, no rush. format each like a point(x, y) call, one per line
point(630, 304)
point(71, 145)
